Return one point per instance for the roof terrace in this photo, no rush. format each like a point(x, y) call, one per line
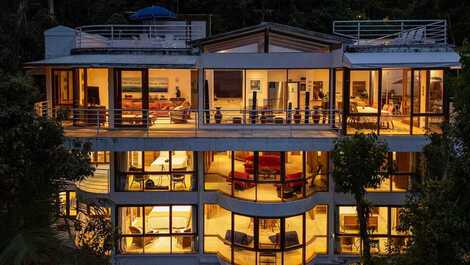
point(161, 35)
point(392, 33)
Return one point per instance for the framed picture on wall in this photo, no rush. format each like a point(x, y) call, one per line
point(255, 85)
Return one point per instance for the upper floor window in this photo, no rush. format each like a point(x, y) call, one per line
point(394, 101)
point(266, 176)
point(62, 87)
point(155, 170)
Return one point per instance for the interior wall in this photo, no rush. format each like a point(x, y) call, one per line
point(176, 77)
point(99, 77)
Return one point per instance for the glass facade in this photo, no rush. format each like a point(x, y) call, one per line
point(267, 96)
point(242, 239)
point(392, 101)
point(155, 170)
point(266, 176)
point(401, 168)
point(157, 229)
point(384, 227)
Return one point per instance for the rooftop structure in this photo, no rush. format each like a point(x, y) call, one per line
point(217, 149)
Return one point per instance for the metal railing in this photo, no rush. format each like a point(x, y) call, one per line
point(393, 32)
point(177, 35)
point(277, 117)
point(99, 118)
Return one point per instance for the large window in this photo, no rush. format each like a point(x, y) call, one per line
point(401, 169)
point(394, 101)
point(155, 170)
point(68, 203)
point(265, 240)
point(266, 176)
point(267, 96)
point(157, 229)
point(62, 87)
point(156, 98)
point(384, 226)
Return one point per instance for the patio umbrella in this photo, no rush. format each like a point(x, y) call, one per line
point(152, 12)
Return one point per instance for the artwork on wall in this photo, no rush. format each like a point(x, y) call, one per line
point(158, 84)
point(255, 85)
point(131, 84)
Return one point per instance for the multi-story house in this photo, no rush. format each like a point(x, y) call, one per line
point(217, 148)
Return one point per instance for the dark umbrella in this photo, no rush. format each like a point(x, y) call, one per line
point(152, 12)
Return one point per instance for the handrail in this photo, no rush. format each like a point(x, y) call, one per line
point(393, 32)
point(171, 35)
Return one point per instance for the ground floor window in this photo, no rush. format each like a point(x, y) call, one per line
point(242, 239)
point(68, 203)
point(384, 223)
point(157, 229)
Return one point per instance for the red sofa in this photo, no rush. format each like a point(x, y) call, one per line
point(265, 161)
point(240, 184)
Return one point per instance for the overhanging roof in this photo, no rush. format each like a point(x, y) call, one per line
point(401, 59)
point(119, 60)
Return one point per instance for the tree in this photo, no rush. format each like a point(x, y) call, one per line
point(34, 162)
point(358, 161)
point(437, 213)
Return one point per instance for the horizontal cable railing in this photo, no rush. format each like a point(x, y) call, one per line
point(188, 120)
point(178, 35)
point(393, 32)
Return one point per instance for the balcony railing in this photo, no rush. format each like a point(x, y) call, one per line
point(187, 120)
point(393, 32)
point(177, 35)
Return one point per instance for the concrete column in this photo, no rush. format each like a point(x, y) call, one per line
point(331, 211)
point(200, 211)
point(111, 97)
point(112, 172)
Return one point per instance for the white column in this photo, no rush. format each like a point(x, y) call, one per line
point(331, 211)
point(200, 189)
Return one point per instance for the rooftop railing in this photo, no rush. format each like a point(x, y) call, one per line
point(393, 32)
point(176, 35)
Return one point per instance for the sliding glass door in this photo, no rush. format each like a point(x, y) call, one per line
point(131, 98)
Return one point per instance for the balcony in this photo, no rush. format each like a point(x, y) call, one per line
point(91, 122)
point(171, 35)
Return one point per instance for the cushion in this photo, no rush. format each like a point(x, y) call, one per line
point(238, 237)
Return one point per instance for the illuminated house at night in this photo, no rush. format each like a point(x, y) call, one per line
point(217, 148)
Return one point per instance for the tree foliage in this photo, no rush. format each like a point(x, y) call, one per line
point(358, 162)
point(438, 212)
point(34, 161)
